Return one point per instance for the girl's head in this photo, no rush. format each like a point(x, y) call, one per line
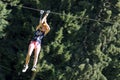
point(44, 26)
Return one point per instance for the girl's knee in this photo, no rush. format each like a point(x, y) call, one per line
point(29, 54)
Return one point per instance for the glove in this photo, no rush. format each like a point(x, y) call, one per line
point(48, 11)
point(41, 11)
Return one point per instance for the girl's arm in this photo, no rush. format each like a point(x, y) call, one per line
point(46, 15)
point(38, 27)
point(47, 28)
point(44, 18)
point(40, 21)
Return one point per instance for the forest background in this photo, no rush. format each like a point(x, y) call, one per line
point(83, 44)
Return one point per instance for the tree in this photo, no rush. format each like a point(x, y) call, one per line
point(83, 43)
point(3, 16)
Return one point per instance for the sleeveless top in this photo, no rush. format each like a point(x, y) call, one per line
point(38, 35)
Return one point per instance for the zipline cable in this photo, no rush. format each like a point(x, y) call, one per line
point(30, 8)
point(56, 13)
point(39, 10)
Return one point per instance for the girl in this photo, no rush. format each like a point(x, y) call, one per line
point(41, 30)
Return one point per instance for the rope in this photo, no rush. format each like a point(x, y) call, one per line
point(56, 13)
point(30, 8)
point(39, 10)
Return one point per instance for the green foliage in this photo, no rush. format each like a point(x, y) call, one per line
point(77, 47)
point(3, 16)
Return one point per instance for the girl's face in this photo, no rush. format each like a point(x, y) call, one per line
point(43, 27)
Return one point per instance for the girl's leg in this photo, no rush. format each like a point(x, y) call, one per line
point(30, 49)
point(36, 54)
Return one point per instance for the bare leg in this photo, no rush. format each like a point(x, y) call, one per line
point(37, 51)
point(30, 50)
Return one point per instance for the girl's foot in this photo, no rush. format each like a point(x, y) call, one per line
point(34, 69)
point(25, 68)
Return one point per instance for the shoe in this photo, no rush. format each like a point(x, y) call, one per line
point(34, 69)
point(25, 68)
